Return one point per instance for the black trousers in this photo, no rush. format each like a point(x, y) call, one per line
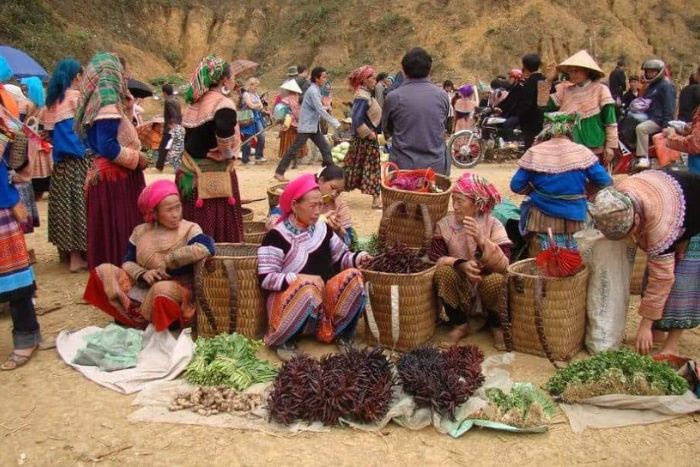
point(25, 327)
point(318, 139)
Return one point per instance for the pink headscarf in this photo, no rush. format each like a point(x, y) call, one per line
point(358, 76)
point(476, 187)
point(152, 195)
point(295, 190)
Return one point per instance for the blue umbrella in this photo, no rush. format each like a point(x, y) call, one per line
point(22, 65)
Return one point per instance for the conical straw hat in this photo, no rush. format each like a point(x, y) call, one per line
point(291, 85)
point(580, 59)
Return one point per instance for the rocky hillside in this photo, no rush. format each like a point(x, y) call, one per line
point(468, 38)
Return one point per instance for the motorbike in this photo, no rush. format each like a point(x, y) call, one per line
point(467, 148)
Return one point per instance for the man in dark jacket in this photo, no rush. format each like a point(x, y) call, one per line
point(172, 116)
point(530, 115)
point(618, 81)
point(662, 95)
point(689, 98)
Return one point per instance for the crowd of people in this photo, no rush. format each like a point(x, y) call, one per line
point(140, 242)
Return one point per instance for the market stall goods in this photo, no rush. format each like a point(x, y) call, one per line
point(525, 406)
point(441, 380)
point(229, 360)
point(615, 372)
point(356, 385)
point(215, 400)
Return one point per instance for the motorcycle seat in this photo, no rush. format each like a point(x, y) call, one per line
point(495, 121)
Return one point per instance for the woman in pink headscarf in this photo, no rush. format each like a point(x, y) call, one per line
point(472, 251)
point(154, 283)
point(363, 165)
point(308, 274)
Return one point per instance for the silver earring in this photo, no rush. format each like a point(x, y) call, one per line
point(225, 90)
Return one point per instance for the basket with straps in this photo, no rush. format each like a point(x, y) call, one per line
point(273, 194)
point(227, 293)
point(401, 309)
point(254, 232)
point(547, 315)
point(18, 150)
point(407, 218)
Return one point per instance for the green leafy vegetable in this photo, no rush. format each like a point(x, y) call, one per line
point(371, 245)
point(615, 372)
point(228, 360)
point(521, 398)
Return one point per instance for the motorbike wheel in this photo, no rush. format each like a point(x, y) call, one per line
point(466, 149)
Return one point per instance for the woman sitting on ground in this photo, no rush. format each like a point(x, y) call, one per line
point(308, 273)
point(472, 251)
point(155, 282)
point(335, 211)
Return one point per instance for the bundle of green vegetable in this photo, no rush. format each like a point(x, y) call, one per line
point(228, 360)
point(524, 407)
point(615, 372)
point(371, 245)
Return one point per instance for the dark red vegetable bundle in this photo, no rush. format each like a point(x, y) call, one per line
point(355, 385)
point(441, 380)
point(398, 259)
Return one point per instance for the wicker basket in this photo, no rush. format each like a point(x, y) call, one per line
point(640, 266)
point(273, 194)
point(254, 232)
point(411, 320)
point(248, 214)
point(547, 315)
point(18, 151)
point(227, 292)
point(407, 209)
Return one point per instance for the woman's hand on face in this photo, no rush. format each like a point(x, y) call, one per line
point(472, 228)
point(333, 222)
point(315, 280)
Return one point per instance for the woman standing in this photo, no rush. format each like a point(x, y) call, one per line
point(363, 158)
point(472, 252)
point(67, 210)
point(553, 174)
point(115, 177)
point(251, 101)
point(290, 122)
point(17, 276)
point(591, 100)
point(41, 175)
point(658, 210)
point(207, 177)
point(308, 273)
point(464, 106)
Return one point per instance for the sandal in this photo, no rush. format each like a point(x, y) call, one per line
point(15, 360)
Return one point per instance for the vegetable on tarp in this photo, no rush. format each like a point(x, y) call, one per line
point(525, 406)
point(228, 360)
point(441, 380)
point(615, 372)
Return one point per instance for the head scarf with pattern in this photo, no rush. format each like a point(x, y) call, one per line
point(295, 190)
point(152, 195)
point(558, 124)
point(358, 76)
point(476, 187)
point(104, 84)
point(208, 73)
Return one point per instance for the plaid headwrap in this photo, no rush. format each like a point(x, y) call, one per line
point(613, 213)
point(558, 124)
point(103, 84)
point(208, 72)
point(358, 76)
point(476, 187)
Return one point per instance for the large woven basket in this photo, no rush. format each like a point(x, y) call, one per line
point(547, 315)
point(401, 309)
point(254, 232)
point(640, 266)
point(273, 194)
point(18, 151)
point(248, 214)
point(407, 209)
point(227, 292)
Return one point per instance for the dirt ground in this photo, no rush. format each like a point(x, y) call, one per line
point(51, 415)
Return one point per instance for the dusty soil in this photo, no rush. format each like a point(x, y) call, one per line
point(50, 415)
